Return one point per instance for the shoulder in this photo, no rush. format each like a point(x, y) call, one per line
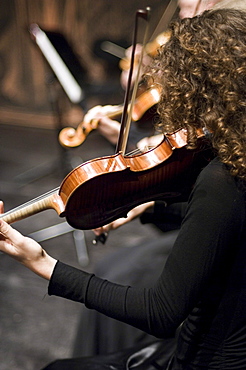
point(216, 199)
point(217, 175)
point(215, 168)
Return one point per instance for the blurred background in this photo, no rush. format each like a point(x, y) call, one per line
point(36, 329)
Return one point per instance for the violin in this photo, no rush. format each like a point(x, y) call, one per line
point(166, 172)
point(71, 137)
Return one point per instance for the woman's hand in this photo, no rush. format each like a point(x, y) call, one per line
point(109, 128)
point(135, 212)
point(25, 250)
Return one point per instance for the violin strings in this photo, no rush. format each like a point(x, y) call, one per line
point(30, 202)
point(139, 151)
point(133, 152)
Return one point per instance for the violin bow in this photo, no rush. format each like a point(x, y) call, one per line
point(125, 122)
point(145, 14)
point(126, 115)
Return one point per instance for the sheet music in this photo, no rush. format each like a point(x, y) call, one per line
point(68, 82)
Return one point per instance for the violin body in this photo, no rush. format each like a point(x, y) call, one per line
point(103, 190)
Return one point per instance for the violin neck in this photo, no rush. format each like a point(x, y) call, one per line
point(42, 203)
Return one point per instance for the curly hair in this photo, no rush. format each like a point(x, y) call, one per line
point(202, 71)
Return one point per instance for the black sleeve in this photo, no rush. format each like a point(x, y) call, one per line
point(208, 230)
point(69, 282)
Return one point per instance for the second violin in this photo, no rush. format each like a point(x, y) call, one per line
point(71, 137)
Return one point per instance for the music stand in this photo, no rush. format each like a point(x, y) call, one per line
point(66, 68)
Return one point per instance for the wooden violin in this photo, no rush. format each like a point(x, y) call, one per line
point(71, 137)
point(101, 190)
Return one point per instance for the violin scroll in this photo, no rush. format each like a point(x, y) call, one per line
point(70, 137)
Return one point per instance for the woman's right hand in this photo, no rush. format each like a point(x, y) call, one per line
point(134, 213)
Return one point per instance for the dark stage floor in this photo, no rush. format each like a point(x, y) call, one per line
point(35, 329)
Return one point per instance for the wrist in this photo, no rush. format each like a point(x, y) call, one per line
point(43, 265)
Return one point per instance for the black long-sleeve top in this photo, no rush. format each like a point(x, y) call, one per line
point(202, 286)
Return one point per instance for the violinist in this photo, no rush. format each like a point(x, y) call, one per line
point(200, 294)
